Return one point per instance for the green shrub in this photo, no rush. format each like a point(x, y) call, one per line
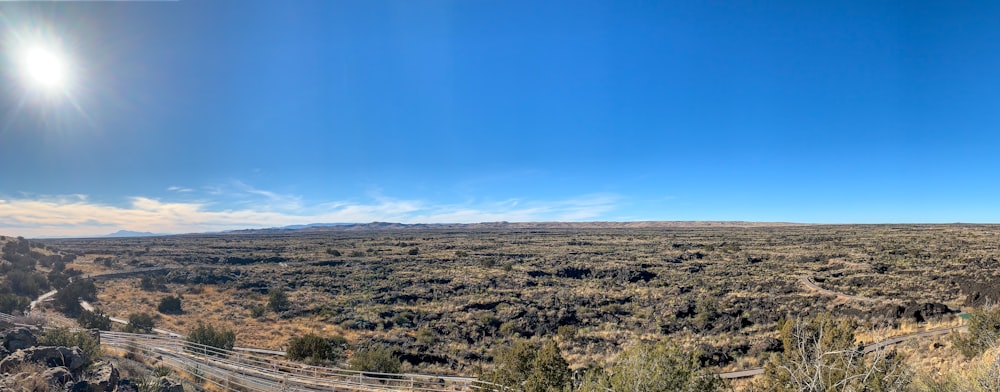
point(984, 333)
point(208, 335)
point(140, 323)
point(513, 364)
point(58, 280)
point(414, 252)
point(523, 366)
point(314, 349)
point(551, 371)
point(375, 359)
point(333, 252)
point(68, 299)
point(257, 310)
point(67, 338)
point(13, 304)
point(27, 283)
point(661, 366)
point(94, 320)
point(277, 301)
point(170, 305)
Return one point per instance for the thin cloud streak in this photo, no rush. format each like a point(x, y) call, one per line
point(76, 216)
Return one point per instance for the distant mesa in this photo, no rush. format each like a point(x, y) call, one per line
point(128, 233)
point(299, 227)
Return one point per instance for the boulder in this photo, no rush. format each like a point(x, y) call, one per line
point(58, 375)
point(72, 358)
point(127, 386)
point(18, 338)
point(164, 384)
point(103, 378)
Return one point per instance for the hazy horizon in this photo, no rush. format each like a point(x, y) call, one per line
point(180, 117)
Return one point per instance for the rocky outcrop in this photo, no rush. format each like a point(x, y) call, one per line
point(30, 365)
point(18, 338)
point(917, 312)
point(127, 386)
point(71, 358)
point(103, 377)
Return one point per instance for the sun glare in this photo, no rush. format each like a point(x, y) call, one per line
point(44, 68)
point(43, 64)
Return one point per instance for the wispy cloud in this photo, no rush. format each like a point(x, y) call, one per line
point(273, 200)
point(76, 215)
point(180, 189)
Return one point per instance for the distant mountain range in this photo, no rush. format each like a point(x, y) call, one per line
point(324, 227)
point(382, 226)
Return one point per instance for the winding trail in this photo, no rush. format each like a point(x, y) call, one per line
point(41, 298)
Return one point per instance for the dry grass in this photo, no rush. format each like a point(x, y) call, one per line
point(27, 377)
point(228, 308)
point(868, 335)
point(717, 290)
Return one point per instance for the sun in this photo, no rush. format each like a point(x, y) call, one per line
point(45, 68)
point(48, 75)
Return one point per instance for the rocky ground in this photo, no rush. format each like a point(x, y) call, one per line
point(27, 366)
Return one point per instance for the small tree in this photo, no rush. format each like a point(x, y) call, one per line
point(821, 355)
point(94, 320)
point(277, 301)
point(170, 305)
point(648, 367)
point(315, 349)
point(208, 335)
point(984, 333)
point(140, 323)
point(551, 372)
point(513, 364)
point(68, 299)
point(375, 359)
point(13, 304)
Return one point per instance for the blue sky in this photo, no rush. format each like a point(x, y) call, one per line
point(208, 115)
